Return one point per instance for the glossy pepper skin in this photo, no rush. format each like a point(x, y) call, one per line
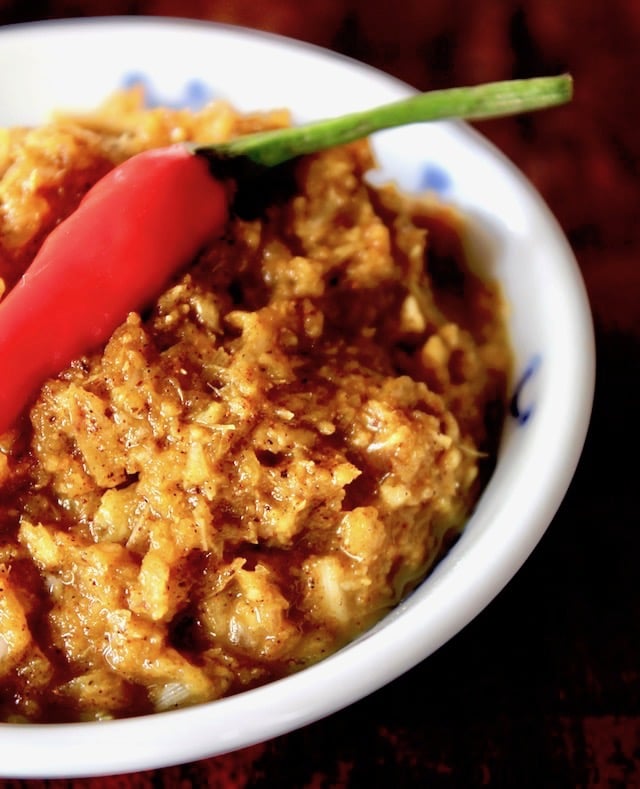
point(139, 225)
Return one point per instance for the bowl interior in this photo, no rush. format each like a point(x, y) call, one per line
point(73, 65)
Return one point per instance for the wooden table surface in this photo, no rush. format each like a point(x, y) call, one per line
point(543, 688)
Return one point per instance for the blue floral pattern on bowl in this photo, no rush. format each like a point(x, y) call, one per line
point(194, 96)
point(519, 409)
point(434, 178)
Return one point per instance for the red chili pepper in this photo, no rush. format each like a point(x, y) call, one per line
point(133, 230)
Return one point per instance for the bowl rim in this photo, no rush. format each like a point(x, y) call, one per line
point(77, 749)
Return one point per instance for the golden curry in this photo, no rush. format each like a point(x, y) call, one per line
point(253, 472)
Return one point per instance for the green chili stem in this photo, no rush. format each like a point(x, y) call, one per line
point(490, 100)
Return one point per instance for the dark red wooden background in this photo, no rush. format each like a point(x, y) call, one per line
point(542, 689)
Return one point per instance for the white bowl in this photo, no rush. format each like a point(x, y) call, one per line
point(74, 64)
